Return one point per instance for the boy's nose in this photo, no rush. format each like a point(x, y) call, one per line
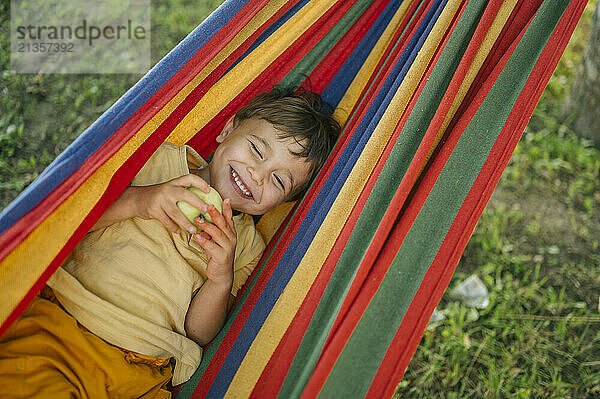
point(256, 175)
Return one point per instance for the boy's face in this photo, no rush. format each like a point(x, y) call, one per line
point(255, 168)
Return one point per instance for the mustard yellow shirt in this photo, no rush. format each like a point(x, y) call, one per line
point(131, 283)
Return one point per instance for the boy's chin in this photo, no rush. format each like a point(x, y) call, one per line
point(243, 209)
point(253, 212)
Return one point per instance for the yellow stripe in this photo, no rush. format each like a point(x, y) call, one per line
point(269, 223)
point(361, 79)
point(290, 300)
point(25, 264)
point(486, 45)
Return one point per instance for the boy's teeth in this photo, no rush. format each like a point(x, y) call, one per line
point(239, 183)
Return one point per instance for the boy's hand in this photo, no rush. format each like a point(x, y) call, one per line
point(159, 201)
point(218, 240)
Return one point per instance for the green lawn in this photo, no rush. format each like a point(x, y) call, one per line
point(536, 246)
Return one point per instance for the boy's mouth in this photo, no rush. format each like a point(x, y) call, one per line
point(238, 184)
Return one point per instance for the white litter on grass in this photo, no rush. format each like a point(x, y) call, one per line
point(472, 293)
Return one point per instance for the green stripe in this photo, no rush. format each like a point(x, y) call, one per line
point(367, 345)
point(376, 206)
point(299, 73)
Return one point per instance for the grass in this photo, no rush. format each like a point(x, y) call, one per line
point(535, 247)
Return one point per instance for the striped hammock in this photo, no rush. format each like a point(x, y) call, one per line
point(433, 96)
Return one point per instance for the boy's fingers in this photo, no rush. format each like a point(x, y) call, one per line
point(228, 213)
point(168, 223)
point(205, 235)
point(214, 232)
point(209, 245)
point(219, 220)
point(178, 217)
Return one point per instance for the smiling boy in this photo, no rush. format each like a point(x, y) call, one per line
point(138, 292)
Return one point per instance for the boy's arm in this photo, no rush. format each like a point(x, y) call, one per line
point(209, 307)
point(158, 201)
point(208, 311)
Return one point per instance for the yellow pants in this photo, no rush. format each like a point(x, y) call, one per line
point(47, 354)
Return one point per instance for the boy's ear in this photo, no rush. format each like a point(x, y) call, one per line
point(228, 128)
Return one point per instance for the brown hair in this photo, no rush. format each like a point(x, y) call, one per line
point(300, 114)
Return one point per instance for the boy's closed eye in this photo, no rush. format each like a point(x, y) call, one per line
point(279, 182)
point(256, 150)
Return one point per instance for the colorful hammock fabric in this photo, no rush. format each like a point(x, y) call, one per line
point(433, 96)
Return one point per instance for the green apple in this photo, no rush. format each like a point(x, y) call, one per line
point(210, 198)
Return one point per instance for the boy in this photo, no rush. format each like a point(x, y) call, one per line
point(145, 281)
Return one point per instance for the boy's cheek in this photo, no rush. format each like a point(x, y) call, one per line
point(274, 204)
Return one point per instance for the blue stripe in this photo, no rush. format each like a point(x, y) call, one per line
point(96, 135)
point(315, 216)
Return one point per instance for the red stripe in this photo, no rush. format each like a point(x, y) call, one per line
point(439, 274)
point(401, 37)
point(335, 343)
point(411, 175)
point(415, 166)
point(13, 236)
point(412, 209)
point(387, 255)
